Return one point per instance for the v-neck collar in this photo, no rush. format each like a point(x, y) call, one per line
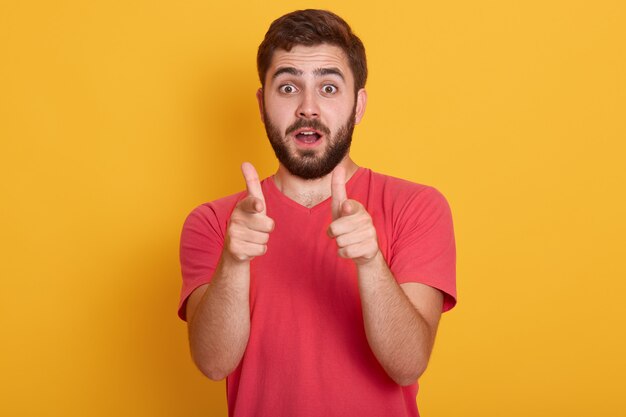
point(283, 199)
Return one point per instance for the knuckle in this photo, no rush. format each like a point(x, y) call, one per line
point(236, 217)
point(233, 232)
point(258, 250)
point(268, 224)
point(236, 252)
point(349, 252)
point(238, 233)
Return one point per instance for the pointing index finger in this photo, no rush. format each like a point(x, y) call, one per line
point(253, 184)
point(338, 190)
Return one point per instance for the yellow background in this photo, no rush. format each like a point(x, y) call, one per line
point(118, 117)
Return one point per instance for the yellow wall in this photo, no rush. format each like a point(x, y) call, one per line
point(117, 118)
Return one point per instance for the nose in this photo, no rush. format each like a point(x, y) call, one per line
point(308, 108)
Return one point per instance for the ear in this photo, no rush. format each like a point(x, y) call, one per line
point(259, 99)
point(361, 103)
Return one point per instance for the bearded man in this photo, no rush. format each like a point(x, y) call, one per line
point(317, 291)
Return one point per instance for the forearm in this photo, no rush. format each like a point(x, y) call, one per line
point(220, 327)
point(399, 336)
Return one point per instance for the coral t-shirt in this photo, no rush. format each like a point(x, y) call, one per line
point(307, 353)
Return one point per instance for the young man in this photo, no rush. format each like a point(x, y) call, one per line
point(317, 291)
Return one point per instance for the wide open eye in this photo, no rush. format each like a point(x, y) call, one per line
point(287, 89)
point(329, 89)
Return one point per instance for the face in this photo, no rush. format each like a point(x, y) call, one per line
point(309, 108)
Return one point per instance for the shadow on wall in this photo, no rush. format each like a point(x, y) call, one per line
point(144, 344)
point(229, 131)
point(226, 130)
point(158, 350)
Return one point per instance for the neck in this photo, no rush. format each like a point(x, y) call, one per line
point(309, 193)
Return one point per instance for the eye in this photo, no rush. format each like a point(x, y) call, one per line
point(287, 89)
point(329, 89)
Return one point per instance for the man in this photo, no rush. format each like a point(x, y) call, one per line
point(317, 291)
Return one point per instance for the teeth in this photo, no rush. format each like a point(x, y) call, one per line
point(307, 133)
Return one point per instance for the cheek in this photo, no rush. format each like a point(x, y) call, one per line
point(342, 110)
point(277, 109)
point(279, 119)
point(340, 118)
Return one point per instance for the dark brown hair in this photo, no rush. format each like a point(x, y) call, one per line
point(309, 28)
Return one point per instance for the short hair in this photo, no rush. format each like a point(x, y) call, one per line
point(310, 28)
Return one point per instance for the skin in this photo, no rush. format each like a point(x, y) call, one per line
point(400, 320)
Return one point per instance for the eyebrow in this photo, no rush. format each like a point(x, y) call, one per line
point(287, 70)
point(319, 72)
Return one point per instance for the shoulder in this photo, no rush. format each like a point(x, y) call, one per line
point(400, 194)
point(416, 233)
point(213, 213)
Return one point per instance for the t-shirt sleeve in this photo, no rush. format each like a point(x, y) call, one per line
point(201, 243)
point(423, 249)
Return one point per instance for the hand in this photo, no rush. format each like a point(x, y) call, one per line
point(249, 227)
point(352, 226)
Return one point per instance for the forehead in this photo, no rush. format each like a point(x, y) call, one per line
point(309, 58)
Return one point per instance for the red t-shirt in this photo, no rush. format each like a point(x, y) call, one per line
point(307, 354)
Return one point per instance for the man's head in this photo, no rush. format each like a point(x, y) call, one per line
point(310, 28)
point(312, 70)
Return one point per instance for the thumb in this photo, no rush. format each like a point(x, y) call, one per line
point(251, 205)
point(338, 191)
point(253, 185)
point(347, 208)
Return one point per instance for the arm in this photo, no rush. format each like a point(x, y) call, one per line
point(219, 320)
point(400, 321)
point(218, 313)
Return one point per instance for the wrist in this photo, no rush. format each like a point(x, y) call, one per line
point(374, 272)
point(230, 262)
point(375, 261)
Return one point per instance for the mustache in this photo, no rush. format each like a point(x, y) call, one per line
point(312, 124)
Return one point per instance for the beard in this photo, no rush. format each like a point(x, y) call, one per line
point(310, 164)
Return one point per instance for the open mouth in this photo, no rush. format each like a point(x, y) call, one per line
point(307, 136)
